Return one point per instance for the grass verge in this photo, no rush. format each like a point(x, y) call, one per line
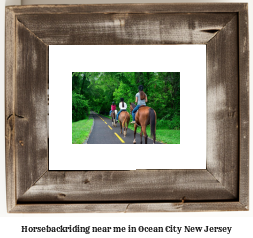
point(165, 136)
point(81, 130)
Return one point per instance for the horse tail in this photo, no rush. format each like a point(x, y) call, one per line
point(152, 118)
point(124, 119)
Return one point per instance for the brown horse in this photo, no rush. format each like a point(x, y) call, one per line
point(124, 119)
point(113, 116)
point(143, 117)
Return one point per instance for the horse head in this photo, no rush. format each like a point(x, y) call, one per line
point(132, 106)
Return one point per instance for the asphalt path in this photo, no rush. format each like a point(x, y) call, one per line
point(104, 133)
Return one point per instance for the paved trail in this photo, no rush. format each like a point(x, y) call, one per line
point(104, 133)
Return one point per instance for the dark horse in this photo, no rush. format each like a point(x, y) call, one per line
point(143, 117)
point(113, 116)
point(124, 119)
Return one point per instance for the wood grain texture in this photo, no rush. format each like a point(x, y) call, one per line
point(129, 207)
point(186, 207)
point(140, 185)
point(30, 108)
point(244, 106)
point(129, 8)
point(222, 107)
point(10, 64)
point(118, 29)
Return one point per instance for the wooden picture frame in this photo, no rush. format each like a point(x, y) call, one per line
point(222, 186)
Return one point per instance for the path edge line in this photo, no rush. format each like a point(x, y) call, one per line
point(86, 141)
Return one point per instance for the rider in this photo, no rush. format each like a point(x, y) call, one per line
point(122, 106)
point(140, 99)
point(113, 107)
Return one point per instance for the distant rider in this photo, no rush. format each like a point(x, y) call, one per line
point(113, 107)
point(122, 106)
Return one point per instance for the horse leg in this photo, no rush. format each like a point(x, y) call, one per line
point(145, 134)
point(120, 127)
point(141, 135)
point(114, 120)
point(135, 127)
point(124, 127)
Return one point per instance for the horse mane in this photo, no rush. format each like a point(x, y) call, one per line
point(133, 105)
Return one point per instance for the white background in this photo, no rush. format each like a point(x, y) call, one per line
point(10, 223)
point(189, 60)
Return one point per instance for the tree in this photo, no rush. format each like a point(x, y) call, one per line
point(99, 89)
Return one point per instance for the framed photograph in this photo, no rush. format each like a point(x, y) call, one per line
point(32, 35)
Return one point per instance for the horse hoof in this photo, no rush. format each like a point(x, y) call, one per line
point(134, 142)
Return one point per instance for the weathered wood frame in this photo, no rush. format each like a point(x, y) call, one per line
point(223, 186)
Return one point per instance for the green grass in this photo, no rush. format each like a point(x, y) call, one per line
point(163, 135)
point(168, 136)
point(81, 130)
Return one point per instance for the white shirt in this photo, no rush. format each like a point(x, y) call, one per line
point(120, 106)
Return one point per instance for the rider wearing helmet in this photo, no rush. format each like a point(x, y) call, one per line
point(140, 99)
point(113, 107)
point(122, 106)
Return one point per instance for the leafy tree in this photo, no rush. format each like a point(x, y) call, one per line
point(99, 89)
point(80, 107)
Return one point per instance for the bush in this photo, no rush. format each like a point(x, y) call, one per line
point(80, 107)
point(173, 124)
